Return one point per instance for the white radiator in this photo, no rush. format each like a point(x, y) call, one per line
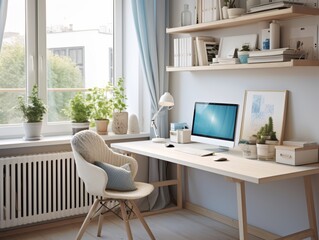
point(36, 188)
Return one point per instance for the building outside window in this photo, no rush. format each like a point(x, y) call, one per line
point(75, 49)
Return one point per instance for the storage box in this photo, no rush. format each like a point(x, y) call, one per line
point(180, 136)
point(296, 155)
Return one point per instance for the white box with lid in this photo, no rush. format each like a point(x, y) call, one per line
point(296, 155)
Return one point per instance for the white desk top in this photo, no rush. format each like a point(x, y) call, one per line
point(237, 167)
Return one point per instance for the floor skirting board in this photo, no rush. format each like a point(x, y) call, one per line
point(258, 232)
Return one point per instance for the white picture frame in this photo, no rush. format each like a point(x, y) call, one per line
point(228, 45)
point(258, 107)
point(304, 38)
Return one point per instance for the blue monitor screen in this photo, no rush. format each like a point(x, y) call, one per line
point(215, 120)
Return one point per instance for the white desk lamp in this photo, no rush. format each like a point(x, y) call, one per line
point(166, 100)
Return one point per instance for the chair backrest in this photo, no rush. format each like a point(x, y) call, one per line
point(91, 146)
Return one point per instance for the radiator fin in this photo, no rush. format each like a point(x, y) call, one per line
point(40, 187)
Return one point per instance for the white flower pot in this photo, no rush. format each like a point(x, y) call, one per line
point(77, 127)
point(235, 12)
point(32, 130)
point(249, 150)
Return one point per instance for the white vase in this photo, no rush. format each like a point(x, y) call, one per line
point(133, 126)
point(120, 122)
point(32, 130)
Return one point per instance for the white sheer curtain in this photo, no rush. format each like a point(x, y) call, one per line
point(151, 20)
point(3, 17)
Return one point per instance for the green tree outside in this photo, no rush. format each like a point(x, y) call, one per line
point(62, 73)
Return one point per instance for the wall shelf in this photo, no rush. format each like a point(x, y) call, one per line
point(292, 63)
point(278, 14)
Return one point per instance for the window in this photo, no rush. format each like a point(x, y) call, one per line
point(75, 50)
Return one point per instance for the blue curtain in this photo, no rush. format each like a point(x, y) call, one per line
point(3, 17)
point(151, 20)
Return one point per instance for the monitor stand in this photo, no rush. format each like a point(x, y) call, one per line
point(218, 149)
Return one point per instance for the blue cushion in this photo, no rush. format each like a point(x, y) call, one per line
point(119, 178)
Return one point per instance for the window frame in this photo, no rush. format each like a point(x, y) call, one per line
point(36, 65)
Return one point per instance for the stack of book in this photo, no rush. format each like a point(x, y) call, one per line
point(275, 55)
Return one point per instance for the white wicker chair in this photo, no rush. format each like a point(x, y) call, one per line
point(88, 147)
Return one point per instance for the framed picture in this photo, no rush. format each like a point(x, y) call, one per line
point(211, 49)
point(228, 45)
point(304, 38)
point(204, 46)
point(258, 107)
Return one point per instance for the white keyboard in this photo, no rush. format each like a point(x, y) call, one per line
point(195, 151)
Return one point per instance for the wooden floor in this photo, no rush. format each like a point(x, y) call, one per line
point(177, 225)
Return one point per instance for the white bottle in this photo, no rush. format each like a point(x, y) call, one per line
point(274, 35)
point(186, 16)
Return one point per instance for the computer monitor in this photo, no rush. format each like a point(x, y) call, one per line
point(215, 123)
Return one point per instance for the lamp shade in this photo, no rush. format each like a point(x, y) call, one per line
point(166, 100)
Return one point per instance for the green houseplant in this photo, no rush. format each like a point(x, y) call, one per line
point(232, 10)
point(79, 112)
point(120, 116)
point(243, 53)
point(266, 141)
point(33, 111)
point(101, 107)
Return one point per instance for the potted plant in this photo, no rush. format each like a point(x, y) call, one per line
point(249, 147)
point(232, 10)
point(79, 111)
point(266, 141)
point(120, 116)
point(243, 53)
point(101, 108)
point(33, 111)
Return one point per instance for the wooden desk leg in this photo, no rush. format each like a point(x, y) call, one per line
point(179, 186)
point(310, 207)
point(242, 214)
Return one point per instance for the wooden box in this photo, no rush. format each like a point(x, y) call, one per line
point(296, 155)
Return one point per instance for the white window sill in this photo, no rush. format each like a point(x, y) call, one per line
point(60, 140)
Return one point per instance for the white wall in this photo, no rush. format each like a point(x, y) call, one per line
point(277, 207)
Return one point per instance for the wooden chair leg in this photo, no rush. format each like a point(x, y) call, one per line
point(126, 221)
point(100, 222)
point(88, 219)
point(141, 218)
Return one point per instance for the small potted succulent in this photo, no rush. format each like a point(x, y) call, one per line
point(101, 108)
point(243, 53)
point(33, 111)
point(79, 111)
point(120, 116)
point(266, 141)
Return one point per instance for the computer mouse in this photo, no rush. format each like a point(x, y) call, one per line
point(221, 159)
point(169, 145)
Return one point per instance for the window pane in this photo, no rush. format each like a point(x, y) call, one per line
point(79, 43)
point(12, 62)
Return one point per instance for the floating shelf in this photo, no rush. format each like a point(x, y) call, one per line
point(292, 63)
point(278, 14)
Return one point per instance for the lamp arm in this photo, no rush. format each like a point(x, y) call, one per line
point(153, 124)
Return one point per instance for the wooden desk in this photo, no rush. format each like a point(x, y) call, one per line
point(238, 170)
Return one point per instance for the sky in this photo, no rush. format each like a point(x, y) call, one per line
point(82, 14)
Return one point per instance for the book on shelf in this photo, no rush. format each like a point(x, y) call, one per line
point(221, 61)
point(273, 5)
point(210, 10)
point(185, 53)
point(277, 51)
point(274, 58)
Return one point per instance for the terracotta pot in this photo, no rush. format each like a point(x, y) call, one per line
point(101, 126)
